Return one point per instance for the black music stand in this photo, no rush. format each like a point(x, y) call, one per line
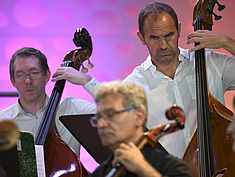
point(87, 136)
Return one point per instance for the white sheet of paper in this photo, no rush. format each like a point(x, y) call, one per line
point(40, 161)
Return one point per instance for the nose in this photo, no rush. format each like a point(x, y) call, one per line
point(163, 43)
point(28, 78)
point(102, 123)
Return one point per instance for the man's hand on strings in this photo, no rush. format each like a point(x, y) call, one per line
point(133, 160)
point(72, 75)
point(207, 39)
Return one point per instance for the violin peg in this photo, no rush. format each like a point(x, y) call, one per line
point(90, 65)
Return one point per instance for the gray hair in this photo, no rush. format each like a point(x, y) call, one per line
point(133, 94)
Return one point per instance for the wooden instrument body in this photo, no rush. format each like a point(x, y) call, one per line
point(223, 155)
point(210, 150)
point(60, 159)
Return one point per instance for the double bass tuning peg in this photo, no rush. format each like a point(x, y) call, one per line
point(84, 69)
point(217, 17)
point(89, 65)
point(220, 6)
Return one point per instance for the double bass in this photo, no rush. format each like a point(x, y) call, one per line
point(210, 151)
point(60, 160)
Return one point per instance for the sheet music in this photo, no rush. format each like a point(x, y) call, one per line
point(40, 160)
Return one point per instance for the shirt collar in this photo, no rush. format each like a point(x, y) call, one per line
point(20, 110)
point(184, 56)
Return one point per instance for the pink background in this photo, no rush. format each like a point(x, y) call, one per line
point(49, 25)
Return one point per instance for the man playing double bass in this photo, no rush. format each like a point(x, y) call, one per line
point(29, 74)
point(168, 73)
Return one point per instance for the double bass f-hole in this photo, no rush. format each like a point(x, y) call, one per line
point(176, 118)
point(59, 158)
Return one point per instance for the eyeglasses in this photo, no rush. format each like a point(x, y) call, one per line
point(21, 76)
point(108, 115)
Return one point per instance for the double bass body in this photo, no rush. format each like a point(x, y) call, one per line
point(223, 155)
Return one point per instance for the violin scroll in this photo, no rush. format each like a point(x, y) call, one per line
point(176, 117)
point(176, 113)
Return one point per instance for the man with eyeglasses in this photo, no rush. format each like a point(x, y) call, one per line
point(29, 74)
point(120, 121)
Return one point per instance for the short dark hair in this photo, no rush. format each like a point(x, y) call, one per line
point(27, 52)
point(155, 7)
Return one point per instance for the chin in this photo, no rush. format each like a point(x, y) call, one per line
point(31, 98)
point(105, 142)
point(108, 142)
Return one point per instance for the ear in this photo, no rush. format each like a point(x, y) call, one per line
point(140, 117)
point(12, 80)
point(141, 37)
point(47, 76)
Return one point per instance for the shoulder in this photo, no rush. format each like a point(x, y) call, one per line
point(168, 165)
point(213, 58)
point(142, 74)
point(217, 56)
point(219, 62)
point(75, 106)
point(9, 112)
point(143, 66)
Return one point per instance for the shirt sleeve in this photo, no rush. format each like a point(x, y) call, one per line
point(70, 106)
point(92, 86)
point(229, 73)
point(223, 65)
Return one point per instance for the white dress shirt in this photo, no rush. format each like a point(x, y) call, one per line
point(162, 92)
point(30, 123)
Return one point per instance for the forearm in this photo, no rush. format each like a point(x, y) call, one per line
point(230, 45)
